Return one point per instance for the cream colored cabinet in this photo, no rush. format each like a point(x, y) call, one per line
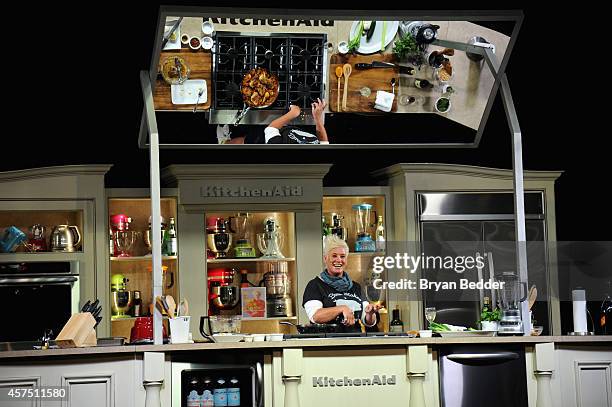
point(51, 196)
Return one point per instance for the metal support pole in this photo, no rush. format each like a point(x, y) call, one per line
point(519, 196)
point(156, 275)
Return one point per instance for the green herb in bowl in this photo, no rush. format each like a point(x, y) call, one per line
point(443, 104)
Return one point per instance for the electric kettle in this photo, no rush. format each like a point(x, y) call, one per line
point(65, 238)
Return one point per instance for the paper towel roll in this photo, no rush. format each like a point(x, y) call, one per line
point(579, 310)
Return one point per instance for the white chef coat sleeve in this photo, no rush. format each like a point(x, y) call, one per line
point(312, 307)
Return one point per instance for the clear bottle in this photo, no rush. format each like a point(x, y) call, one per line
point(193, 396)
point(396, 324)
point(605, 313)
point(220, 392)
point(111, 245)
point(380, 234)
point(207, 399)
point(171, 243)
point(233, 392)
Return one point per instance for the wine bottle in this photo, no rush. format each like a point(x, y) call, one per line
point(396, 324)
point(380, 234)
point(244, 279)
point(171, 243)
point(605, 314)
point(422, 84)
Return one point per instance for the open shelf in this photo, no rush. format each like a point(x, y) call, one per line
point(141, 258)
point(256, 260)
point(41, 256)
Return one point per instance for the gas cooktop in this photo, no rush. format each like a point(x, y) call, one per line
point(298, 60)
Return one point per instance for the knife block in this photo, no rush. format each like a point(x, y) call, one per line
point(78, 332)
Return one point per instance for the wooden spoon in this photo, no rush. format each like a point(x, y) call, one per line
point(347, 69)
point(171, 305)
point(533, 293)
point(339, 74)
point(184, 307)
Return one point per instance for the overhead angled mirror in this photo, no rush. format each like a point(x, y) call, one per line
point(264, 79)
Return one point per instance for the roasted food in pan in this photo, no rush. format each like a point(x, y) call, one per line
point(259, 88)
point(175, 70)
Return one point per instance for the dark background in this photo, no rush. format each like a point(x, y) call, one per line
point(79, 85)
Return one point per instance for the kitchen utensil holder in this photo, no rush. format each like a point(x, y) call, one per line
point(78, 332)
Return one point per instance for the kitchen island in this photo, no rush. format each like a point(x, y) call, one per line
point(558, 369)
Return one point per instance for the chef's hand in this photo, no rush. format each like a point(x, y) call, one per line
point(348, 316)
point(372, 308)
point(318, 108)
point(294, 111)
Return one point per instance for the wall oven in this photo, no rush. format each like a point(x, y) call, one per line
point(37, 296)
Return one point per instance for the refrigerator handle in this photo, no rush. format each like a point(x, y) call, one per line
point(492, 277)
point(480, 277)
point(500, 357)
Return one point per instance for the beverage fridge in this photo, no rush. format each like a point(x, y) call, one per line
point(217, 384)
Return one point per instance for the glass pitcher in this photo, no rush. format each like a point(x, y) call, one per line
point(364, 242)
point(510, 295)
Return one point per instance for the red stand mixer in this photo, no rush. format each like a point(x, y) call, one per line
point(223, 293)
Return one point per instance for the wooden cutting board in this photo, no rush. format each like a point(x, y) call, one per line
point(375, 79)
point(200, 63)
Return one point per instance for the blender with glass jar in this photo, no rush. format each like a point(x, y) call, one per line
point(363, 241)
point(242, 248)
point(510, 296)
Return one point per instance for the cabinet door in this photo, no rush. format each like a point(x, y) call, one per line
point(454, 239)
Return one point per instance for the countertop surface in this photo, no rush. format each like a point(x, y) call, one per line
point(308, 343)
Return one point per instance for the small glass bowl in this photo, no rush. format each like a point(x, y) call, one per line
point(207, 43)
point(195, 43)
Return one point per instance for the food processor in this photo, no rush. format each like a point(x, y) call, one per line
point(510, 296)
point(243, 248)
point(271, 240)
point(363, 242)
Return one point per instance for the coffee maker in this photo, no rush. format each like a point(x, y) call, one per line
point(511, 322)
point(223, 293)
point(278, 290)
point(121, 298)
point(219, 237)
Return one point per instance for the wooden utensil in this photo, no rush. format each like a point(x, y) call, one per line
point(346, 69)
point(339, 74)
point(533, 293)
point(184, 307)
point(171, 305)
point(161, 305)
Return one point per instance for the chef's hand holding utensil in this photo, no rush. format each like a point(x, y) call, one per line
point(318, 108)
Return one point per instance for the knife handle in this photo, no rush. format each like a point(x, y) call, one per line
point(363, 65)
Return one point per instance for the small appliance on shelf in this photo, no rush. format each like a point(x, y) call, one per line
point(243, 248)
point(336, 227)
point(363, 224)
point(510, 296)
point(65, 238)
point(218, 237)
point(121, 299)
point(271, 240)
point(119, 223)
point(147, 235)
point(223, 291)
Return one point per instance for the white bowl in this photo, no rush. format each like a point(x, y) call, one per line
point(343, 47)
point(207, 42)
point(436, 105)
point(274, 337)
point(185, 39)
point(208, 28)
point(228, 337)
point(259, 337)
point(192, 45)
point(248, 338)
point(426, 333)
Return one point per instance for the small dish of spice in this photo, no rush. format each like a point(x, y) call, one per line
point(194, 43)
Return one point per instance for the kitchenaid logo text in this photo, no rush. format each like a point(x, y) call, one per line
point(273, 22)
point(376, 380)
point(212, 191)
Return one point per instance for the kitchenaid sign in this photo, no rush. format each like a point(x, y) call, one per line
point(375, 380)
point(271, 22)
point(216, 191)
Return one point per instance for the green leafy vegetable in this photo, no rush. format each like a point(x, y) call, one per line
point(406, 46)
point(356, 40)
point(443, 104)
point(436, 327)
point(487, 315)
